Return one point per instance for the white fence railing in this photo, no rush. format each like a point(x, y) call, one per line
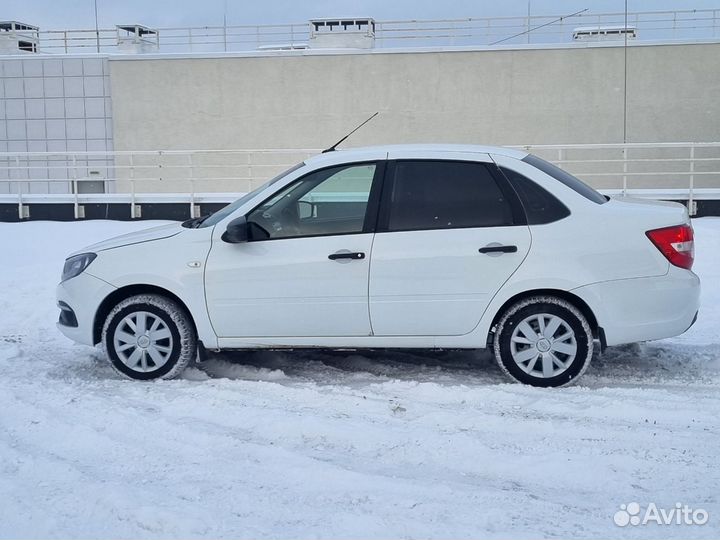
point(673, 170)
point(134, 173)
point(680, 171)
point(480, 31)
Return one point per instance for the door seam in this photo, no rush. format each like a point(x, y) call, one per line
point(372, 244)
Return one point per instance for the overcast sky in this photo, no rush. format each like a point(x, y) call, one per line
point(65, 14)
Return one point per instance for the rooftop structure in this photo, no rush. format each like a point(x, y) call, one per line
point(18, 38)
point(358, 33)
point(607, 32)
point(135, 38)
point(366, 32)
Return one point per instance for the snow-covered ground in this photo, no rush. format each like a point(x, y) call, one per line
point(343, 445)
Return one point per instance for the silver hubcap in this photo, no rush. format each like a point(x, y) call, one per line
point(142, 341)
point(543, 345)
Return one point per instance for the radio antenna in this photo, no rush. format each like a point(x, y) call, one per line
point(332, 148)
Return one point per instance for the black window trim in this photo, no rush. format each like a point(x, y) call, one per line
point(567, 179)
point(383, 219)
point(371, 210)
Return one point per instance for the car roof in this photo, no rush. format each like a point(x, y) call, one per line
point(350, 153)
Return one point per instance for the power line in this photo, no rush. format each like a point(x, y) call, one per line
point(539, 26)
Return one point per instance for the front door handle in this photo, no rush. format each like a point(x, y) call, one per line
point(497, 248)
point(355, 255)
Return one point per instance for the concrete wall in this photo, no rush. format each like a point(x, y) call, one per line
point(506, 97)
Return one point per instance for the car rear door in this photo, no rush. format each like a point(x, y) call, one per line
point(450, 233)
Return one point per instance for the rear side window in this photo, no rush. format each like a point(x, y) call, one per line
point(566, 178)
point(445, 195)
point(540, 206)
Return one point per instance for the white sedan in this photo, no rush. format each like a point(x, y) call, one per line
point(418, 246)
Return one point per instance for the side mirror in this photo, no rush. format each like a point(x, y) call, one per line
point(306, 209)
point(237, 231)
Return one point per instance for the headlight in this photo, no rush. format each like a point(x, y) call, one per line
point(74, 266)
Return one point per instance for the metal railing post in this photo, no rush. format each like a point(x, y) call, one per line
point(691, 187)
point(20, 202)
point(132, 187)
point(527, 26)
point(17, 168)
point(249, 166)
point(625, 170)
point(75, 186)
point(192, 185)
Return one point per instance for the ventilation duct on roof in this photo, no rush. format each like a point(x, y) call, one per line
point(18, 38)
point(357, 33)
point(137, 39)
point(604, 33)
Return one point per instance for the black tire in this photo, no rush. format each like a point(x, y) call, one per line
point(178, 349)
point(531, 311)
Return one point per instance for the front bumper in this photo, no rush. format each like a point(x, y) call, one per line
point(642, 309)
point(80, 296)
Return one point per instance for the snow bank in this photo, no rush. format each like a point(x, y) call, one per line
point(339, 445)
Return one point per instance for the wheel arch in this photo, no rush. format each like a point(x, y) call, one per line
point(118, 295)
point(573, 299)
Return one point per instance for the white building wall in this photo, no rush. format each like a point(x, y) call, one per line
point(560, 95)
point(309, 99)
point(53, 104)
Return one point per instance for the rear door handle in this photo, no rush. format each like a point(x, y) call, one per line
point(355, 255)
point(497, 248)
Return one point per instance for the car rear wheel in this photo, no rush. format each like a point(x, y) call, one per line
point(148, 337)
point(543, 341)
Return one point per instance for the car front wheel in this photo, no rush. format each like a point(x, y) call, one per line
point(543, 341)
point(149, 336)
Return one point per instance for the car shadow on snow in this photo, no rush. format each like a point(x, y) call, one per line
point(351, 367)
point(651, 364)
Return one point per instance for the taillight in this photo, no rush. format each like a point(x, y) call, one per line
point(676, 243)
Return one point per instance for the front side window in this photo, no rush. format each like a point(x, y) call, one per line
point(325, 202)
point(445, 195)
point(221, 214)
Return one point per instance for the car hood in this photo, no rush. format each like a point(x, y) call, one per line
point(146, 235)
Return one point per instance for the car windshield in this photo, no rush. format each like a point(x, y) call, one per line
point(221, 214)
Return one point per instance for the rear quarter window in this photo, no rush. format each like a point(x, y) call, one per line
point(566, 178)
point(540, 206)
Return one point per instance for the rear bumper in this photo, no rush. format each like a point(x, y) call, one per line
point(81, 296)
point(642, 309)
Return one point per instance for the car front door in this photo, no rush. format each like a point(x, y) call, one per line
point(304, 270)
point(450, 234)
